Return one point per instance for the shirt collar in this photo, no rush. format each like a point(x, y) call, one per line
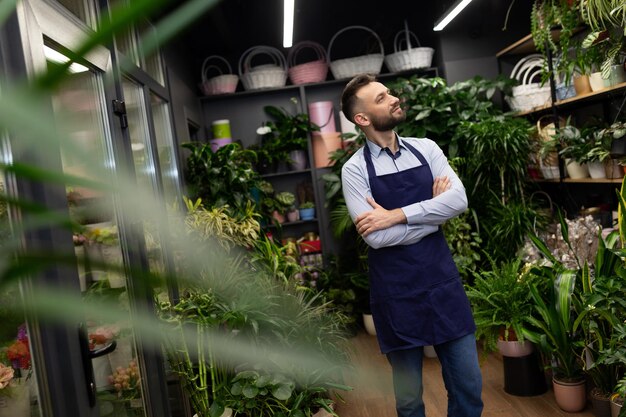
point(376, 150)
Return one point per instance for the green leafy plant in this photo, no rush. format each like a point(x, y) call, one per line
point(307, 205)
point(607, 20)
point(501, 302)
point(286, 199)
point(222, 178)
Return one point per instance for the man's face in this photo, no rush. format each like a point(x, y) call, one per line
point(381, 108)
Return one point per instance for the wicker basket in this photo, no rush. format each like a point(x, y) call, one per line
point(266, 75)
point(528, 94)
point(309, 72)
point(411, 58)
point(221, 83)
point(364, 64)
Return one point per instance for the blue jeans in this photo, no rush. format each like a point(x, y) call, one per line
point(461, 375)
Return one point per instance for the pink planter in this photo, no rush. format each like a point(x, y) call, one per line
point(570, 396)
point(322, 114)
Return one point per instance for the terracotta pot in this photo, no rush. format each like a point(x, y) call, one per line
point(570, 396)
point(576, 170)
point(515, 348)
point(279, 217)
point(613, 169)
point(581, 85)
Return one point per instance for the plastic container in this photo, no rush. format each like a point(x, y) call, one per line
point(322, 114)
point(221, 129)
point(218, 143)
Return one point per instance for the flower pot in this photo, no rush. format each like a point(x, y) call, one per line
point(278, 216)
point(297, 160)
point(581, 84)
point(515, 348)
point(596, 81)
point(601, 404)
point(18, 403)
point(293, 215)
point(616, 76)
point(616, 405)
point(324, 144)
point(613, 169)
point(576, 170)
point(307, 213)
point(368, 322)
point(564, 91)
point(596, 170)
point(228, 412)
point(570, 396)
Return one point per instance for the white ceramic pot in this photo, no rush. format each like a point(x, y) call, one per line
point(228, 412)
point(576, 170)
point(368, 322)
point(615, 407)
point(596, 81)
point(596, 170)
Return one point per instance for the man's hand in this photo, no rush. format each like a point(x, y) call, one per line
point(441, 185)
point(378, 219)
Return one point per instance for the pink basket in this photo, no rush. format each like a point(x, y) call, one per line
point(309, 72)
point(219, 84)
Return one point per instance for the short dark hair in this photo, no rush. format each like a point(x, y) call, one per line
point(348, 97)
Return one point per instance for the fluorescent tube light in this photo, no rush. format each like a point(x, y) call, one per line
point(451, 14)
point(288, 23)
point(57, 57)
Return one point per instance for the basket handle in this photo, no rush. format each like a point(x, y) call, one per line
point(319, 50)
point(530, 73)
point(521, 62)
point(246, 58)
point(380, 43)
point(205, 68)
point(397, 41)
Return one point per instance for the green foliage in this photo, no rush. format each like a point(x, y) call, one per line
point(286, 199)
point(307, 205)
point(286, 133)
point(464, 243)
point(501, 301)
point(222, 178)
point(436, 110)
point(607, 19)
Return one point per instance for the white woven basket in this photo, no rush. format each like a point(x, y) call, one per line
point(411, 58)
point(364, 64)
point(221, 83)
point(266, 75)
point(528, 94)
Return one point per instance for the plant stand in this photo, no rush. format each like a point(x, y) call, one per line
point(523, 376)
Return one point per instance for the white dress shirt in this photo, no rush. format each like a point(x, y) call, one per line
point(423, 218)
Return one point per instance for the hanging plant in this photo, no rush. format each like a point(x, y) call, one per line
point(607, 20)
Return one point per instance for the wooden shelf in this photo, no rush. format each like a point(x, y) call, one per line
point(583, 180)
point(285, 173)
point(580, 98)
point(287, 224)
point(526, 45)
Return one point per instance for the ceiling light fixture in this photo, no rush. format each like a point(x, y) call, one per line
point(288, 23)
point(451, 14)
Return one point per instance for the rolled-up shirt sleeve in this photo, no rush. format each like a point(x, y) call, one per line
point(438, 210)
point(355, 191)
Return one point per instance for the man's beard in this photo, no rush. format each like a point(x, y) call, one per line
point(388, 123)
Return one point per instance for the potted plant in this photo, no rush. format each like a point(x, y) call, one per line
point(617, 398)
point(501, 303)
point(286, 136)
point(307, 210)
point(575, 148)
point(286, 201)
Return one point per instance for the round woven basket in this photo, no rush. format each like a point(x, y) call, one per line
point(411, 58)
point(265, 75)
point(309, 72)
point(218, 84)
point(528, 94)
point(364, 64)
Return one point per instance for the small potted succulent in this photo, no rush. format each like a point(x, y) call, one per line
point(307, 210)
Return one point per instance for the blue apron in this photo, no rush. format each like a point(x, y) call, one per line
point(416, 294)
